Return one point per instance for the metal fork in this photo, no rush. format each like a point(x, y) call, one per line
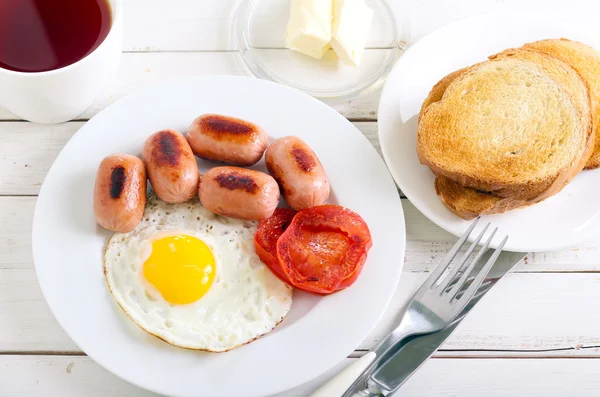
point(432, 308)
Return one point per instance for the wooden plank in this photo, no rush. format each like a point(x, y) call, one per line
point(60, 376)
point(191, 25)
point(43, 376)
point(188, 25)
point(503, 378)
point(139, 70)
point(183, 25)
point(28, 151)
point(26, 323)
point(524, 312)
point(74, 376)
point(16, 216)
point(426, 243)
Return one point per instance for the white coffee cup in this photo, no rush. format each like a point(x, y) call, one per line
point(63, 94)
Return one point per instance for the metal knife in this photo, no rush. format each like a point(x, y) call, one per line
point(414, 351)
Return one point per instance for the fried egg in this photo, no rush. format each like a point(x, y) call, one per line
point(193, 279)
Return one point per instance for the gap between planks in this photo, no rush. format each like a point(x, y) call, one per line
point(525, 353)
point(42, 353)
point(466, 354)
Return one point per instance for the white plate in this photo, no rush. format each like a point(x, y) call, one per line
point(559, 222)
point(319, 331)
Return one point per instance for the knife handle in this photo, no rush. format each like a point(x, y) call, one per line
point(339, 385)
point(342, 381)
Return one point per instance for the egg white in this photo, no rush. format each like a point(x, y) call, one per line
point(245, 301)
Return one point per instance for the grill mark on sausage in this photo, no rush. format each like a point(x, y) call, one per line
point(117, 181)
point(220, 125)
point(303, 159)
point(169, 148)
point(235, 181)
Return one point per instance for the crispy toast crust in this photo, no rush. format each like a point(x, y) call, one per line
point(582, 99)
point(586, 61)
point(469, 203)
point(581, 57)
point(438, 90)
point(532, 191)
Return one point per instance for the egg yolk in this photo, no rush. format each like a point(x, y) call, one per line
point(181, 268)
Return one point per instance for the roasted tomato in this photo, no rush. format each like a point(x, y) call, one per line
point(324, 249)
point(266, 236)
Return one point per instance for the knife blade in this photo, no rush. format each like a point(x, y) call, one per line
point(415, 351)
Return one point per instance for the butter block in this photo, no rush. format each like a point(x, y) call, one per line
point(309, 28)
point(350, 29)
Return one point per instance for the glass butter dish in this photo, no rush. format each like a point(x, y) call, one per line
point(259, 29)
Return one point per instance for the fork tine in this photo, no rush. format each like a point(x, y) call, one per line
point(483, 273)
point(441, 268)
point(460, 283)
point(462, 261)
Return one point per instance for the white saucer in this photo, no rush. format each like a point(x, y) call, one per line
point(561, 221)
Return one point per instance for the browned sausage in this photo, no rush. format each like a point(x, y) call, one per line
point(298, 171)
point(171, 166)
point(120, 192)
point(227, 139)
point(239, 193)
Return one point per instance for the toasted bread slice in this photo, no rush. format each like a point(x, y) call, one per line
point(508, 127)
point(469, 203)
point(561, 72)
point(586, 61)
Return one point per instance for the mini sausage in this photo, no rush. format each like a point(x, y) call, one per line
point(227, 139)
point(171, 166)
point(120, 192)
point(298, 171)
point(239, 193)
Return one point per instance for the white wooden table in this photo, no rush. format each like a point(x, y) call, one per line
point(537, 333)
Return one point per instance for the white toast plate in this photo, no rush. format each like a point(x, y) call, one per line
point(318, 332)
point(562, 221)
